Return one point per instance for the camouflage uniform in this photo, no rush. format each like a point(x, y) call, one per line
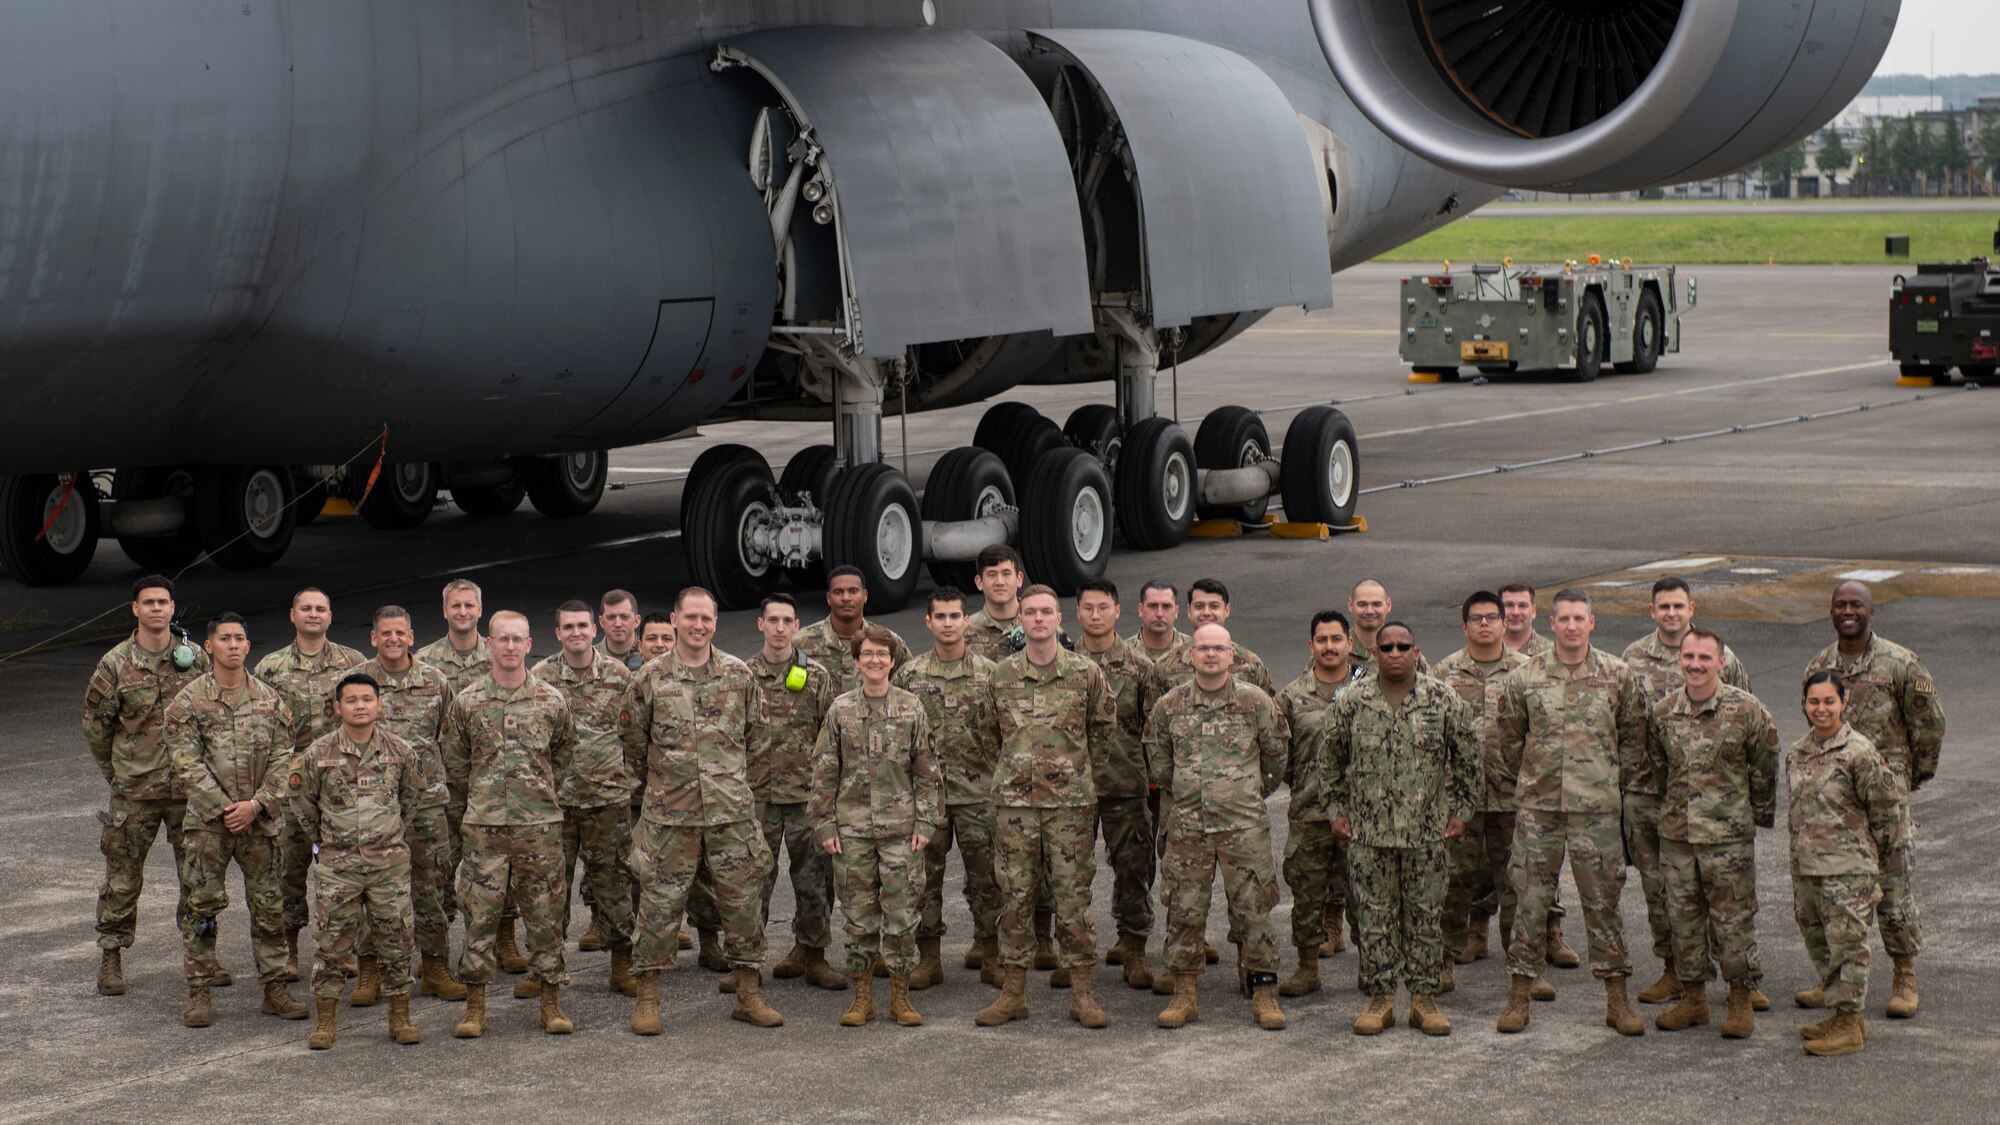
point(1055, 723)
point(413, 703)
point(1137, 641)
point(633, 660)
point(230, 746)
point(989, 637)
point(1124, 817)
point(1478, 887)
point(1849, 833)
point(306, 682)
point(596, 793)
point(1363, 658)
point(958, 700)
point(1534, 646)
point(1227, 749)
point(1399, 774)
point(784, 727)
point(123, 720)
point(460, 668)
point(1892, 701)
point(819, 642)
point(875, 783)
point(1176, 667)
point(687, 734)
point(1569, 736)
point(1315, 864)
point(356, 803)
point(504, 749)
point(1720, 761)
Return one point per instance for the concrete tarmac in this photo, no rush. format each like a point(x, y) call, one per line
point(1910, 484)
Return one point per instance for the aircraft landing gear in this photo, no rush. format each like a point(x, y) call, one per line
point(243, 515)
point(48, 527)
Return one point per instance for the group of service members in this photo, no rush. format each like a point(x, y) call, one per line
point(1424, 800)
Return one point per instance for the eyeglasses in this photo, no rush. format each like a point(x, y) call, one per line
point(1395, 647)
point(1483, 619)
point(1211, 648)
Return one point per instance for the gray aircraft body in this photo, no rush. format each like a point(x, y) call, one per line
point(242, 243)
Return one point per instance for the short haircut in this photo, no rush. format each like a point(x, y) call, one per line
point(1098, 586)
point(617, 597)
point(1672, 582)
point(1574, 595)
point(1208, 586)
point(847, 572)
point(1159, 584)
point(493, 622)
point(227, 617)
point(687, 592)
point(1707, 634)
point(655, 618)
point(944, 595)
point(1356, 588)
point(1518, 588)
point(1825, 676)
point(353, 678)
point(384, 613)
point(152, 582)
point(778, 597)
point(1039, 590)
point(574, 605)
point(310, 590)
point(1477, 597)
point(458, 584)
point(995, 555)
point(1394, 623)
point(873, 634)
point(1329, 617)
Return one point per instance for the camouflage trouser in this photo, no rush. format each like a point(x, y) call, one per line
point(663, 862)
point(297, 851)
point(1062, 842)
point(1398, 897)
point(1127, 826)
point(1249, 887)
point(454, 855)
point(345, 891)
point(1902, 933)
point(881, 881)
point(205, 860)
point(1596, 850)
point(1316, 871)
point(701, 911)
point(1833, 916)
point(811, 869)
point(1642, 847)
point(971, 826)
point(432, 862)
point(129, 828)
point(1712, 906)
point(522, 863)
point(600, 837)
point(1479, 887)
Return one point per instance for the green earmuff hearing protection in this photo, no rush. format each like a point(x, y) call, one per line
point(795, 676)
point(184, 654)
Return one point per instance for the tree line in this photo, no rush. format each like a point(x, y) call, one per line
point(1903, 157)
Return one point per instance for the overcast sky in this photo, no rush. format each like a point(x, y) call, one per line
point(1967, 33)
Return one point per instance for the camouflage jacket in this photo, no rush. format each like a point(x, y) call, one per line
point(1364, 658)
point(784, 725)
point(1304, 704)
point(1055, 723)
point(633, 660)
point(1135, 686)
point(1398, 774)
point(597, 775)
point(1216, 755)
point(687, 737)
point(124, 718)
point(1891, 700)
point(356, 801)
point(413, 703)
point(1479, 689)
point(307, 682)
point(965, 730)
point(1659, 667)
point(1137, 641)
point(874, 774)
point(1176, 667)
point(1720, 761)
point(1570, 736)
point(227, 751)
point(1845, 807)
point(989, 637)
point(1534, 646)
point(504, 750)
point(459, 669)
point(819, 642)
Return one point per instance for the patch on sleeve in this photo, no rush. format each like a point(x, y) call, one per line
point(297, 781)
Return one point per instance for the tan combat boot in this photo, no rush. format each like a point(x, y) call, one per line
point(221, 978)
point(1045, 948)
point(1740, 1020)
point(989, 962)
point(975, 955)
point(1377, 1016)
point(1447, 982)
point(1845, 1035)
point(1305, 981)
point(1557, 949)
point(1184, 1009)
point(711, 957)
point(1209, 953)
point(1264, 1002)
point(1692, 1011)
point(200, 1010)
point(400, 1028)
point(930, 968)
point(1163, 982)
point(511, 957)
point(1132, 962)
point(367, 984)
point(592, 940)
point(1543, 991)
point(1903, 989)
point(1618, 1011)
point(1082, 1005)
point(820, 974)
point(111, 973)
point(1514, 1017)
point(278, 1002)
point(792, 964)
point(435, 980)
point(327, 1012)
point(900, 1008)
point(1336, 938)
point(1059, 978)
point(861, 1009)
point(472, 1024)
point(1814, 997)
point(646, 1014)
point(682, 939)
point(1425, 1017)
point(551, 1015)
point(1758, 1001)
point(750, 1005)
point(1475, 946)
point(527, 988)
point(1668, 987)
point(621, 972)
point(291, 955)
point(1011, 1004)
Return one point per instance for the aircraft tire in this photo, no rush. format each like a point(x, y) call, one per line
point(811, 470)
point(1066, 521)
point(1094, 429)
point(711, 459)
point(713, 519)
point(1232, 437)
point(312, 493)
point(243, 514)
point(491, 499)
point(1156, 485)
point(1589, 340)
point(567, 486)
point(872, 523)
point(965, 484)
point(402, 498)
point(1321, 468)
point(1647, 341)
point(1031, 439)
point(162, 553)
point(997, 424)
point(27, 503)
